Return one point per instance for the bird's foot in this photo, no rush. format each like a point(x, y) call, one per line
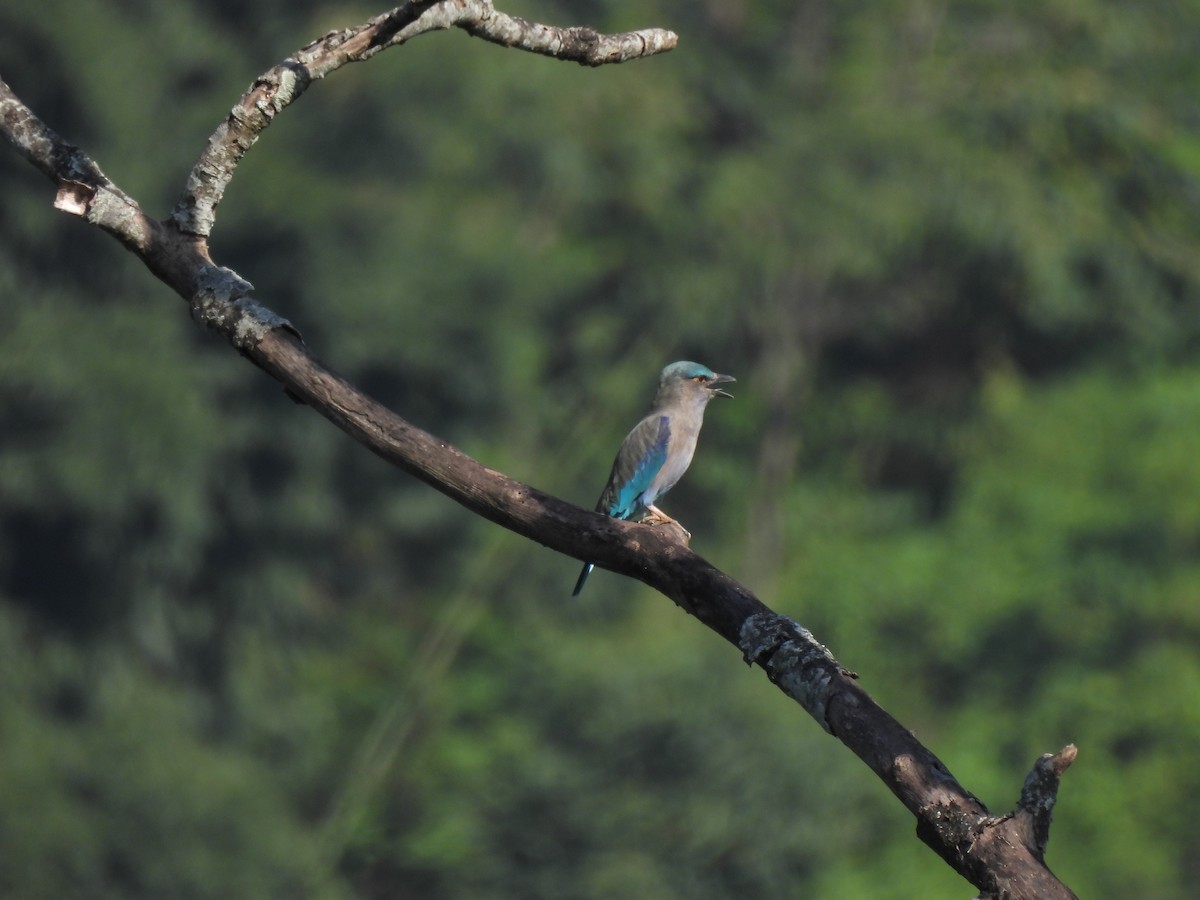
point(655, 516)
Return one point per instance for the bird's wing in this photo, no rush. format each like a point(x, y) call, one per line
point(642, 454)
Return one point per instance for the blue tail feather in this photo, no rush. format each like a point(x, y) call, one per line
point(583, 577)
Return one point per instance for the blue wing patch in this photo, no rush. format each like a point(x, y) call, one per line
point(650, 459)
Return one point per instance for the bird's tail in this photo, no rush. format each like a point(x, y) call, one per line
point(583, 577)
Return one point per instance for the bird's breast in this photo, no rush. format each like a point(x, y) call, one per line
point(680, 449)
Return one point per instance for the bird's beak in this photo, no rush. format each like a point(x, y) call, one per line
point(718, 380)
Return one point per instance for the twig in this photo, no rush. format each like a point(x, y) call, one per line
point(277, 88)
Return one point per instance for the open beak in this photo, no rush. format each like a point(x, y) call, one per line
point(719, 380)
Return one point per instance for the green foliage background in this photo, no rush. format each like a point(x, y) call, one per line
point(948, 248)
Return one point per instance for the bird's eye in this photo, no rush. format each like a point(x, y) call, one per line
point(700, 378)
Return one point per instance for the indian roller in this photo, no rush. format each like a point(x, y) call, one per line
point(654, 456)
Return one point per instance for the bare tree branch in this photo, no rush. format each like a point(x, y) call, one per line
point(83, 190)
point(277, 88)
point(1000, 855)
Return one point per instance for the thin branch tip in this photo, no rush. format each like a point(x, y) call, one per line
point(1039, 795)
point(1051, 766)
point(277, 88)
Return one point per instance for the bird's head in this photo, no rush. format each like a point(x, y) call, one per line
point(695, 379)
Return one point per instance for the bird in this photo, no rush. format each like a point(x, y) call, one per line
point(656, 453)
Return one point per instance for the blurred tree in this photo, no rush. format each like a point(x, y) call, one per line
point(949, 250)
